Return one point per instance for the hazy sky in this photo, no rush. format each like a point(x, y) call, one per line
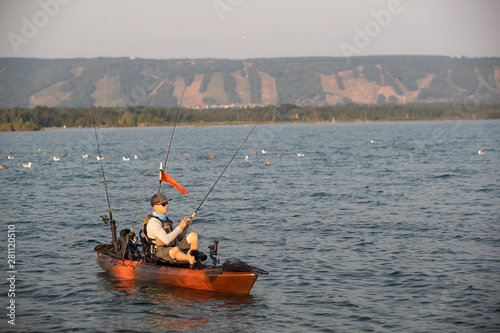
point(240, 29)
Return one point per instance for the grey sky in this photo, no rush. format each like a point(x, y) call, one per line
point(240, 29)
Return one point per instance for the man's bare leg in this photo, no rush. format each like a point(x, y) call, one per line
point(177, 254)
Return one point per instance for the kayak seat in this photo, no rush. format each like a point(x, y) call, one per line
point(146, 248)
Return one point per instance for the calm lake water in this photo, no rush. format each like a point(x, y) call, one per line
point(400, 234)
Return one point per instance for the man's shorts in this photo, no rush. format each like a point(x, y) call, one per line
point(164, 251)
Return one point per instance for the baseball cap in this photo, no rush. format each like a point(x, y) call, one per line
point(158, 199)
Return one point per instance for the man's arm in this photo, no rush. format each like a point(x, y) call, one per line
point(155, 228)
point(186, 222)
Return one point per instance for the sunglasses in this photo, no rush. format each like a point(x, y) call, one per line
point(164, 204)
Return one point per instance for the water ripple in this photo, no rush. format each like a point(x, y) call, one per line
point(398, 236)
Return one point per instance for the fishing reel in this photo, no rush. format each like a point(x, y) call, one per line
point(105, 219)
point(112, 223)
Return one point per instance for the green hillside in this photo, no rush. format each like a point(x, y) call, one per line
point(311, 81)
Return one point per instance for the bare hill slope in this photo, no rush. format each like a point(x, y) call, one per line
point(236, 83)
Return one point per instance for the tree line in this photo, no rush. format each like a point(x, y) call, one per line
point(39, 117)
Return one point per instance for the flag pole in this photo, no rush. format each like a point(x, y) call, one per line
point(161, 172)
point(173, 132)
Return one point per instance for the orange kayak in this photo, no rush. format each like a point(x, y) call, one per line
point(210, 278)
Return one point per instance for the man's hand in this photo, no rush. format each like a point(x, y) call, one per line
point(186, 222)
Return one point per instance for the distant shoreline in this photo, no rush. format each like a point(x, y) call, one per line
point(45, 118)
point(247, 123)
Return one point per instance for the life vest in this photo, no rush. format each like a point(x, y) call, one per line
point(167, 226)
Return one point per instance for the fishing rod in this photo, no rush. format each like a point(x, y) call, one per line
point(104, 218)
point(140, 197)
point(147, 174)
point(173, 133)
point(152, 157)
point(206, 196)
point(149, 168)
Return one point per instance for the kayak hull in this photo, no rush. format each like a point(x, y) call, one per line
point(207, 278)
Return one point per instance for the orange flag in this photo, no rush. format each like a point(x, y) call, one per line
point(169, 180)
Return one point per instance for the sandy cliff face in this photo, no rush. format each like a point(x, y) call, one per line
point(300, 81)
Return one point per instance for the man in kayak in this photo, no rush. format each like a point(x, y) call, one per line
point(169, 243)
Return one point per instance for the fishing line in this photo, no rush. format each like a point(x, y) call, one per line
point(139, 203)
point(173, 132)
point(149, 168)
point(258, 121)
point(99, 151)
